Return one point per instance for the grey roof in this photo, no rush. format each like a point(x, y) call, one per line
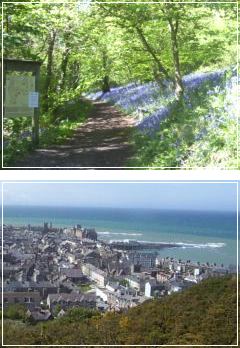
point(113, 285)
point(13, 285)
point(72, 272)
point(72, 297)
point(22, 294)
point(39, 314)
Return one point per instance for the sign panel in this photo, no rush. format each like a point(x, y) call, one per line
point(17, 91)
point(33, 99)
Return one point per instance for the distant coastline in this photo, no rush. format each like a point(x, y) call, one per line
point(209, 251)
point(203, 236)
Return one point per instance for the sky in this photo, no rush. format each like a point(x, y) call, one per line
point(169, 196)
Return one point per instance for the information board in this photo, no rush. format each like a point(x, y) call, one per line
point(18, 90)
point(33, 99)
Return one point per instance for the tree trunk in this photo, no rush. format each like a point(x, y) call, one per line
point(179, 89)
point(75, 73)
point(64, 67)
point(106, 84)
point(51, 42)
point(150, 50)
point(106, 79)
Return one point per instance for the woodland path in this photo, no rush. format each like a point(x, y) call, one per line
point(102, 141)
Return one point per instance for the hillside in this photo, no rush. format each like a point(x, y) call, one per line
point(203, 314)
point(169, 134)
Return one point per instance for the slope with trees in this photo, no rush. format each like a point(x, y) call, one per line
point(204, 314)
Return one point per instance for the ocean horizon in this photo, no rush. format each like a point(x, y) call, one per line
point(203, 236)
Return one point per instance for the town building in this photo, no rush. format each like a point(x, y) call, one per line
point(39, 314)
point(29, 299)
point(44, 263)
point(95, 274)
point(134, 282)
point(145, 260)
point(73, 274)
point(85, 233)
point(153, 289)
point(67, 301)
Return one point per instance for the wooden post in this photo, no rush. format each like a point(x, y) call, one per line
point(3, 89)
point(35, 119)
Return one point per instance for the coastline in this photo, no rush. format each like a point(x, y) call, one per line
point(212, 250)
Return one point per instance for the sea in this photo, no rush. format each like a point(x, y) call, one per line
point(202, 236)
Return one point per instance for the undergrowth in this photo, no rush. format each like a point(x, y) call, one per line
point(55, 128)
point(199, 132)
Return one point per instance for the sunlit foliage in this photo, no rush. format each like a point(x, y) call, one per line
point(90, 47)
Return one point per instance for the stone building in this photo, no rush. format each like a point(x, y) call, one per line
point(30, 299)
point(85, 233)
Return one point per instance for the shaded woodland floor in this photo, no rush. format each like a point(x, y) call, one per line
point(103, 141)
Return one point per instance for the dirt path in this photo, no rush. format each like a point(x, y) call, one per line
point(103, 141)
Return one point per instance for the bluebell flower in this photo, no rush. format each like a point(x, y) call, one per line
point(156, 102)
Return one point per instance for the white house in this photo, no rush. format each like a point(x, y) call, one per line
point(150, 286)
point(95, 274)
point(196, 272)
point(102, 294)
point(134, 282)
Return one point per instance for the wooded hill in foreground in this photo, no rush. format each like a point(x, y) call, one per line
point(203, 314)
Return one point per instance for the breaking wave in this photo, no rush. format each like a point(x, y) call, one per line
point(200, 246)
point(119, 234)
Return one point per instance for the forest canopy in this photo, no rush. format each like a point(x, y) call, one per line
point(87, 46)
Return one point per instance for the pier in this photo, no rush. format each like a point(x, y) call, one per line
point(137, 245)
